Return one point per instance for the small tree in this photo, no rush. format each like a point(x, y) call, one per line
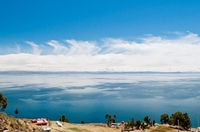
point(63, 118)
point(82, 122)
point(16, 112)
point(153, 123)
point(183, 119)
point(110, 119)
point(164, 118)
point(127, 126)
point(132, 123)
point(187, 124)
point(114, 118)
point(3, 102)
point(147, 120)
point(138, 124)
point(143, 126)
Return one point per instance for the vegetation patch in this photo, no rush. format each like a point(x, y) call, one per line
point(75, 129)
point(163, 129)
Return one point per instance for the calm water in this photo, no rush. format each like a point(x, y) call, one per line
point(89, 96)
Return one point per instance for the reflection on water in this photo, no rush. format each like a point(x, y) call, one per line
point(89, 96)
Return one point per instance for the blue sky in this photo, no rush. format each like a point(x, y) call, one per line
point(100, 35)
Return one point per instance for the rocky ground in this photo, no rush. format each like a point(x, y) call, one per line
point(15, 124)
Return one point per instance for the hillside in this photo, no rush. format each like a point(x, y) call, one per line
point(25, 125)
point(15, 124)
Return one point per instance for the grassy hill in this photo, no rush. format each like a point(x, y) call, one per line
point(25, 125)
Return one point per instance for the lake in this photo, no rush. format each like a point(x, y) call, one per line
point(89, 96)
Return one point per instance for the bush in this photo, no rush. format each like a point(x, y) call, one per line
point(63, 118)
point(3, 102)
point(164, 118)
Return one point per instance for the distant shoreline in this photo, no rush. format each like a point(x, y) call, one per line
point(99, 72)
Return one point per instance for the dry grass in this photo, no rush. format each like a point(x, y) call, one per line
point(14, 124)
point(68, 127)
point(163, 129)
point(25, 125)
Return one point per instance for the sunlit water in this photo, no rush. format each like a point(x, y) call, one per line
point(89, 96)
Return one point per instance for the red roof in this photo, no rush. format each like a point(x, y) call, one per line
point(40, 121)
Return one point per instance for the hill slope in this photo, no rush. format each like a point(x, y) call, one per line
point(25, 125)
point(15, 124)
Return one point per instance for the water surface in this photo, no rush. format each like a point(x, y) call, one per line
point(89, 96)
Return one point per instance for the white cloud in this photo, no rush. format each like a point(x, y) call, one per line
point(152, 53)
point(82, 48)
point(58, 48)
point(18, 48)
point(36, 50)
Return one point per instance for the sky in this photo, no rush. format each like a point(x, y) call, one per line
point(100, 35)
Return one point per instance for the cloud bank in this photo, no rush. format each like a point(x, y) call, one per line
point(150, 53)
